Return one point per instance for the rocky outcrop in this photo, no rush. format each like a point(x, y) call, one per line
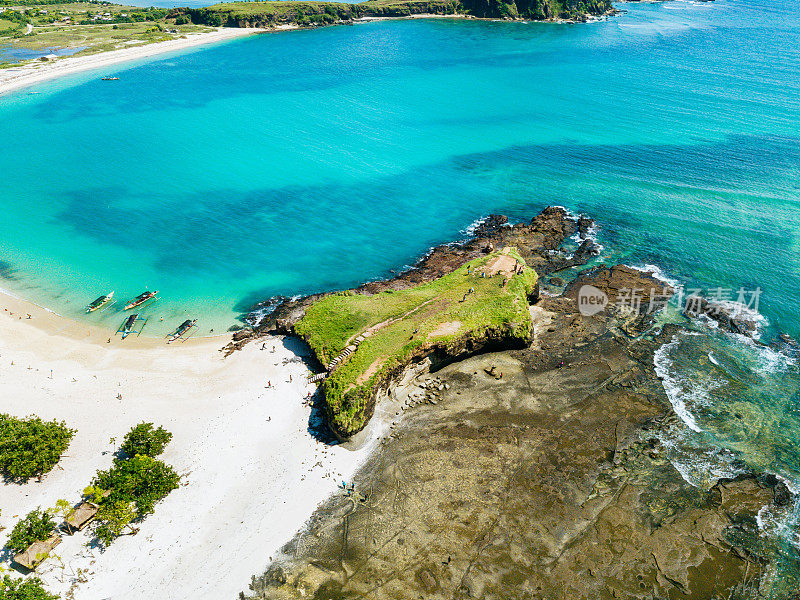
point(538, 241)
point(541, 474)
point(730, 315)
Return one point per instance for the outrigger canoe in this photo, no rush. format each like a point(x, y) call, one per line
point(140, 299)
point(129, 325)
point(183, 329)
point(100, 302)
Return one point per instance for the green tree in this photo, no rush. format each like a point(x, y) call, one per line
point(15, 588)
point(36, 526)
point(114, 519)
point(142, 480)
point(31, 447)
point(145, 440)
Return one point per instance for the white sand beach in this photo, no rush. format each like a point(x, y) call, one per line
point(252, 473)
point(15, 78)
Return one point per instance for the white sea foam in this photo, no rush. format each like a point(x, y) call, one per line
point(674, 385)
point(658, 273)
point(469, 230)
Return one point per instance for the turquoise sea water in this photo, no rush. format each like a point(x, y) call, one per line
point(312, 160)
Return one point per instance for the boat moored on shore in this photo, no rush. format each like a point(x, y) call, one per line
point(101, 302)
point(129, 325)
point(183, 331)
point(142, 298)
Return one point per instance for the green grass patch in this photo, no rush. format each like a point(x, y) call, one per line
point(441, 314)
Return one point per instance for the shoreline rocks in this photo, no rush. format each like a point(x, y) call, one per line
point(538, 241)
point(550, 481)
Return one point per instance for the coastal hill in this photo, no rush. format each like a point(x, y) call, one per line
point(460, 300)
point(368, 340)
point(309, 14)
point(550, 471)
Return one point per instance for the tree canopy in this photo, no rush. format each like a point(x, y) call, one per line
point(142, 480)
point(145, 440)
point(31, 447)
point(136, 482)
point(15, 588)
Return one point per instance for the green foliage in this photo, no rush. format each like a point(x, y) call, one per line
point(142, 480)
point(441, 315)
point(31, 447)
point(114, 518)
point(145, 440)
point(306, 13)
point(16, 588)
point(36, 526)
point(136, 482)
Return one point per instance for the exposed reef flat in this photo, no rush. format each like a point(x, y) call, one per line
point(535, 473)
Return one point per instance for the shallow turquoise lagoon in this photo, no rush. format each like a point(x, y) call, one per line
point(303, 161)
point(313, 160)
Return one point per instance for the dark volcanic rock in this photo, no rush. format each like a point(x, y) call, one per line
point(540, 475)
point(731, 316)
point(624, 288)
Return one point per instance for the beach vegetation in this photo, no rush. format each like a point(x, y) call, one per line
point(36, 526)
point(28, 588)
point(135, 483)
point(450, 315)
point(142, 480)
point(115, 519)
point(31, 447)
point(145, 440)
point(309, 13)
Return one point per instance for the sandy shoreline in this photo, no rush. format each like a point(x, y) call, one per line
point(15, 78)
point(252, 471)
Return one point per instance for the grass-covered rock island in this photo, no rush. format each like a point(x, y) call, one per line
point(459, 300)
point(366, 340)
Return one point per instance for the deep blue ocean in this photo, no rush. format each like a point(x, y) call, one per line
point(314, 160)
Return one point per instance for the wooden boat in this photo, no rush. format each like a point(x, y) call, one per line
point(182, 332)
point(129, 325)
point(110, 78)
point(140, 299)
point(100, 302)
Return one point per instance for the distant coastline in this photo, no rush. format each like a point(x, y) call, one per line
point(16, 78)
point(233, 20)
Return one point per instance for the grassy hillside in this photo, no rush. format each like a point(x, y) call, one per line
point(441, 317)
point(266, 14)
